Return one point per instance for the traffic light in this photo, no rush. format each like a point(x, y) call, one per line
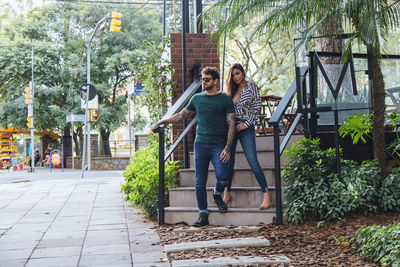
point(27, 95)
point(28, 119)
point(115, 25)
point(93, 115)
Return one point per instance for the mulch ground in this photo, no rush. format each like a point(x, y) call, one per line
point(333, 244)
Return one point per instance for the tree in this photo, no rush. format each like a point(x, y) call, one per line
point(370, 21)
point(59, 34)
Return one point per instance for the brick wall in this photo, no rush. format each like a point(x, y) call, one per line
point(199, 49)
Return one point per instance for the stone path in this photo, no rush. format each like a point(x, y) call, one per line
point(73, 222)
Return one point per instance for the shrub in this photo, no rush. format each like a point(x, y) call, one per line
point(315, 190)
point(389, 193)
point(141, 176)
point(380, 243)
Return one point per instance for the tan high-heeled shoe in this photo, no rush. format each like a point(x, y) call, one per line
point(266, 202)
point(228, 198)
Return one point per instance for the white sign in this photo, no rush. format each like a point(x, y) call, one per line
point(93, 104)
point(93, 99)
point(76, 117)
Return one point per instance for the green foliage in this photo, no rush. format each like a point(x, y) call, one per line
point(380, 243)
point(315, 190)
point(357, 126)
point(155, 72)
point(59, 32)
point(389, 197)
point(141, 177)
point(394, 146)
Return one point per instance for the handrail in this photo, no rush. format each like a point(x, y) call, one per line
point(276, 117)
point(177, 107)
point(286, 99)
point(187, 94)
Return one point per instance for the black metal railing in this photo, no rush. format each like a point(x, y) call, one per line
point(297, 86)
point(163, 157)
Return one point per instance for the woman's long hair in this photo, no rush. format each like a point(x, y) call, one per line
point(231, 86)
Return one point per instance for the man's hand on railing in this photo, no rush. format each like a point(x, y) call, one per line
point(155, 128)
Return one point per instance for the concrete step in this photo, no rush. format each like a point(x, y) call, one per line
point(258, 241)
point(265, 158)
point(239, 229)
point(266, 143)
point(242, 197)
point(234, 216)
point(242, 177)
point(273, 260)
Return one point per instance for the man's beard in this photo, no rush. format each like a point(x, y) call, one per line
point(210, 87)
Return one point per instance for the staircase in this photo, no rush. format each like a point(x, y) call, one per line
point(246, 193)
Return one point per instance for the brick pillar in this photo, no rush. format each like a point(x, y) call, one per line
point(200, 49)
point(94, 145)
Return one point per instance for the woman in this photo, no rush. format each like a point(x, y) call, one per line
point(246, 97)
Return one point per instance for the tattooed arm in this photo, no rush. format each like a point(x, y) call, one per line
point(185, 113)
point(230, 119)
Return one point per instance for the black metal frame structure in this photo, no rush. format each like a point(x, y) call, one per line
point(308, 109)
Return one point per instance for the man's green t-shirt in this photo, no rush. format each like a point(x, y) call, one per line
point(211, 117)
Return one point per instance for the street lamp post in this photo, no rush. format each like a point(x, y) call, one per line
point(86, 140)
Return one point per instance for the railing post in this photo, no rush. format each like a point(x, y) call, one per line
point(277, 157)
point(161, 163)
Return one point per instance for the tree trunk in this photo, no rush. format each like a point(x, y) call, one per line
point(378, 117)
point(105, 142)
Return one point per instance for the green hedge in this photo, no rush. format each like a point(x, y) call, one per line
point(316, 191)
point(141, 177)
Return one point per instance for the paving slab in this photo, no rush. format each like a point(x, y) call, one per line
point(66, 261)
point(105, 260)
point(149, 257)
point(64, 220)
point(231, 261)
point(56, 252)
point(221, 243)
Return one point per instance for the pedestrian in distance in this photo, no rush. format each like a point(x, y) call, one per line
point(246, 98)
point(214, 135)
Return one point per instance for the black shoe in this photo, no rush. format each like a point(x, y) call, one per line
point(220, 203)
point(202, 220)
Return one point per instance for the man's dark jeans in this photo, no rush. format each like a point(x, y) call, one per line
point(203, 154)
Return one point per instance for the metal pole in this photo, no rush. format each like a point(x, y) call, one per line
point(161, 190)
point(164, 18)
point(87, 123)
point(32, 127)
point(199, 9)
point(223, 53)
point(85, 139)
point(336, 136)
point(129, 125)
point(72, 143)
point(87, 104)
point(277, 156)
point(184, 30)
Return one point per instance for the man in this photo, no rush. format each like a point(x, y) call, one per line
point(214, 135)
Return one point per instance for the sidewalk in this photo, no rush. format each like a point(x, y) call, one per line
point(60, 219)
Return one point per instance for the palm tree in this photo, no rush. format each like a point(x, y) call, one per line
point(371, 21)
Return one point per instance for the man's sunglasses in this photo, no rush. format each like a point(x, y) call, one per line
point(207, 79)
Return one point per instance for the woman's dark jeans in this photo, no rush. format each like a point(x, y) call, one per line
point(247, 139)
